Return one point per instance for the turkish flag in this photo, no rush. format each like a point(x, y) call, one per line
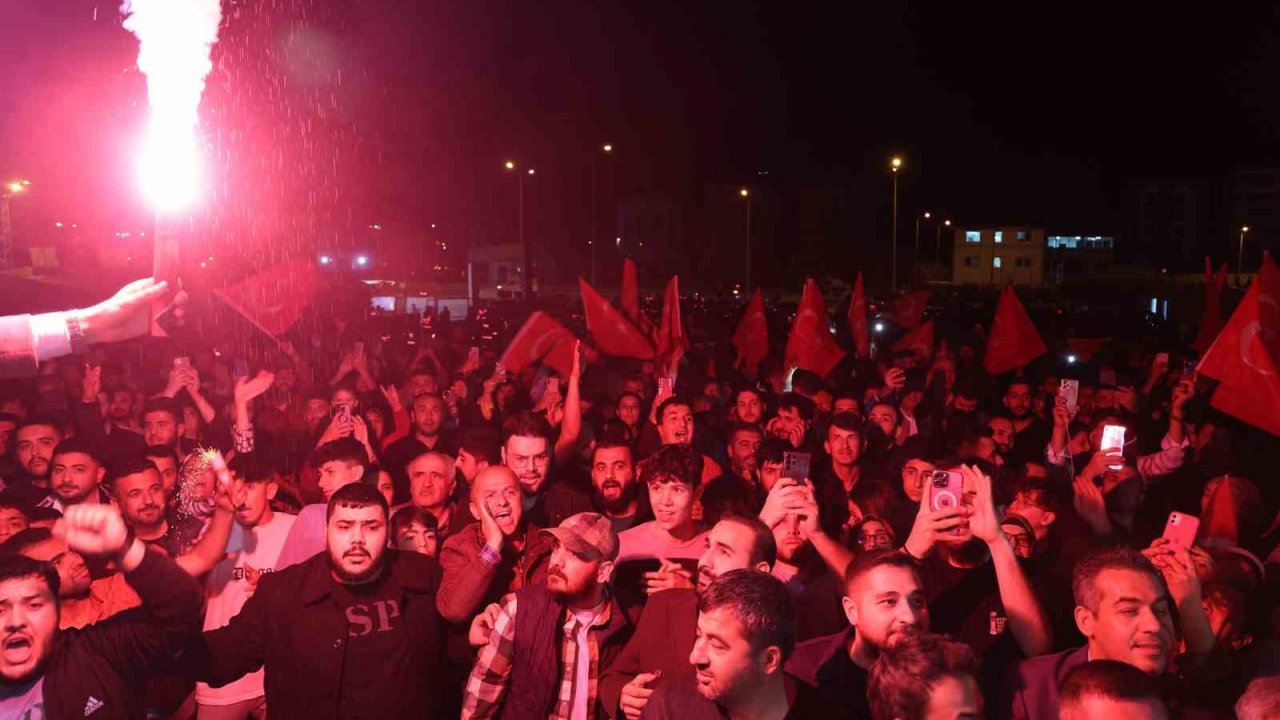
point(858, 320)
point(810, 345)
point(1084, 348)
point(540, 338)
point(918, 341)
point(612, 332)
point(906, 311)
point(752, 336)
point(1244, 356)
point(1211, 318)
point(1014, 341)
point(670, 338)
point(274, 298)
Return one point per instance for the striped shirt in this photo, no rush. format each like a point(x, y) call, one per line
point(491, 674)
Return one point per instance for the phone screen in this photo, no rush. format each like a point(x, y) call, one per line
point(1181, 529)
point(1069, 390)
point(795, 465)
point(1113, 439)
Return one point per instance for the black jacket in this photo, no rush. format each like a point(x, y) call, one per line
point(294, 626)
point(105, 665)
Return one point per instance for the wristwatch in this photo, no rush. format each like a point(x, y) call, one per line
point(75, 333)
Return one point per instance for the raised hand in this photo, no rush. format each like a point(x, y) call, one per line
point(635, 694)
point(96, 530)
point(393, 397)
point(983, 523)
point(123, 315)
point(668, 575)
point(1091, 505)
point(482, 625)
point(92, 384)
point(249, 388)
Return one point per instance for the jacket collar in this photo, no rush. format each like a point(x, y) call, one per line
point(317, 583)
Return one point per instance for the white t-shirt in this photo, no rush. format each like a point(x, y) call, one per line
point(258, 548)
point(642, 542)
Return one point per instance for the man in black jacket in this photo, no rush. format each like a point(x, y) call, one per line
point(98, 671)
point(352, 633)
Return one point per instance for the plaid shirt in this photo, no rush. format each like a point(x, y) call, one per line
point(487, 685)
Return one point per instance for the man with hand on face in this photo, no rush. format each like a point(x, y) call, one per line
point(884, 600)
point(254, 549)
point(1125, 608)
point(350, 632)
point(665, 632)
point(48, 672)
point(548, 644)
point(745, 633)
point(498, 554)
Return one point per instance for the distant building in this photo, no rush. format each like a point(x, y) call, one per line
point(999, 256)
point(498, 270)
point(1253, 199)
point(1173, 221)
point(1079, 258)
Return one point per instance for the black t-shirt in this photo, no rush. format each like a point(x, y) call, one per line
point(679, 699)
point(377, 645)
point(842, 682)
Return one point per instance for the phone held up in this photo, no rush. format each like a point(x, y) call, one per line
point(1113, 439)
point(795, 465)
point(946, 489)
point(1069, 391)
point(1181, 529)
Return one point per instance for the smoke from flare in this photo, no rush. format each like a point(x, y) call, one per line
point(174, 38)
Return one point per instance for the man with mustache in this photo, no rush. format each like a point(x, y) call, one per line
point(1124, 608)
point(352, 631)
point(33, 442)
point(48, 672)
point(77, 476)
point(549, 643)
point(528, 452)
point(254, 548)
point(739, 489)
point(659, 650)
point(498, 554)
point(616, 493)
point(884, 599)
point(746, 631)
point(432, 481)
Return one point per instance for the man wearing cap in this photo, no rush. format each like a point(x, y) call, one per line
point(544, 661)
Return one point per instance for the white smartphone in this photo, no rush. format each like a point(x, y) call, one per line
point(1113, 439)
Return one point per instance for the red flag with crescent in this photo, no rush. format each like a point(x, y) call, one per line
point(1244, 356)
point(907, 311)
point(612, 332)
point(810, 345)
point(858, 320)
point(541, 338)
point(273, 299)
point(752, 336)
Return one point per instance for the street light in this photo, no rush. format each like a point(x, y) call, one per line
point(915, 259)
point(895, 164)
point(525, 250)
point(745, 194)
point(1244, 229)
point(11, 189)
point(937, 241)
point(607, 149)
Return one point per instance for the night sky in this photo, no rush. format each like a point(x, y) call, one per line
point(325, 117)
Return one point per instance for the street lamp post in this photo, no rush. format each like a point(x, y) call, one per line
point(1244, 229)
point(591, 242)
point(937, 241)
point(895, 164)
point(746, 195)
point(10, 190)
point(525, 250)
point(915, 256)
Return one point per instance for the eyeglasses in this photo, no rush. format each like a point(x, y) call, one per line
point(875, 538)
point(1020, 541)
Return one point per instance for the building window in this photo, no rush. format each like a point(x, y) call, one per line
point(972, 236)
point(1023, 261)
point(999, 236)
point(1022, 236)
point(995, 262)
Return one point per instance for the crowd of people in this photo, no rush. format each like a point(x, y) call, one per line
point(354, 525)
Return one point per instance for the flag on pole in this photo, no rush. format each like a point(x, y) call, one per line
point(858, 320)
point(273, 299)
point(1211, 318)
point(810, 345)
point(1014, 341)
point(670, 338)
point(611, 331)
point(752, 336)
point(541, 338)
point(907, 310)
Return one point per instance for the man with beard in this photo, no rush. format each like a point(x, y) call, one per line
point(748, 406)
point(746, 630)
point(84, 601)
point(353, 631)
point(1031, 433)
point(135, 485)
point(120, 433)
point(884, 599)
point(667, 626)
point(34, 441)
point(527, 452)
point(162, 424)
point(47, 672)
point(550, 642)
point(77, 476)
point(432, 480)
point(498, 554)
point(1125, 608)
point(254, 548)
point(166, 461)
point(427, 416)
point(738, 490)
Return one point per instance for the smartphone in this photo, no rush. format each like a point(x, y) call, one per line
point(946, 489)
point(666, 385)
point(182, 361)
point(1113, 439)
point(1069, 391)
point(342, 412)
point(553, 385)
point(795, 465)
point(1181, 529)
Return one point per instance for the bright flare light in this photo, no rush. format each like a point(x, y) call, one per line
point(879, 327)
point(174, 38)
